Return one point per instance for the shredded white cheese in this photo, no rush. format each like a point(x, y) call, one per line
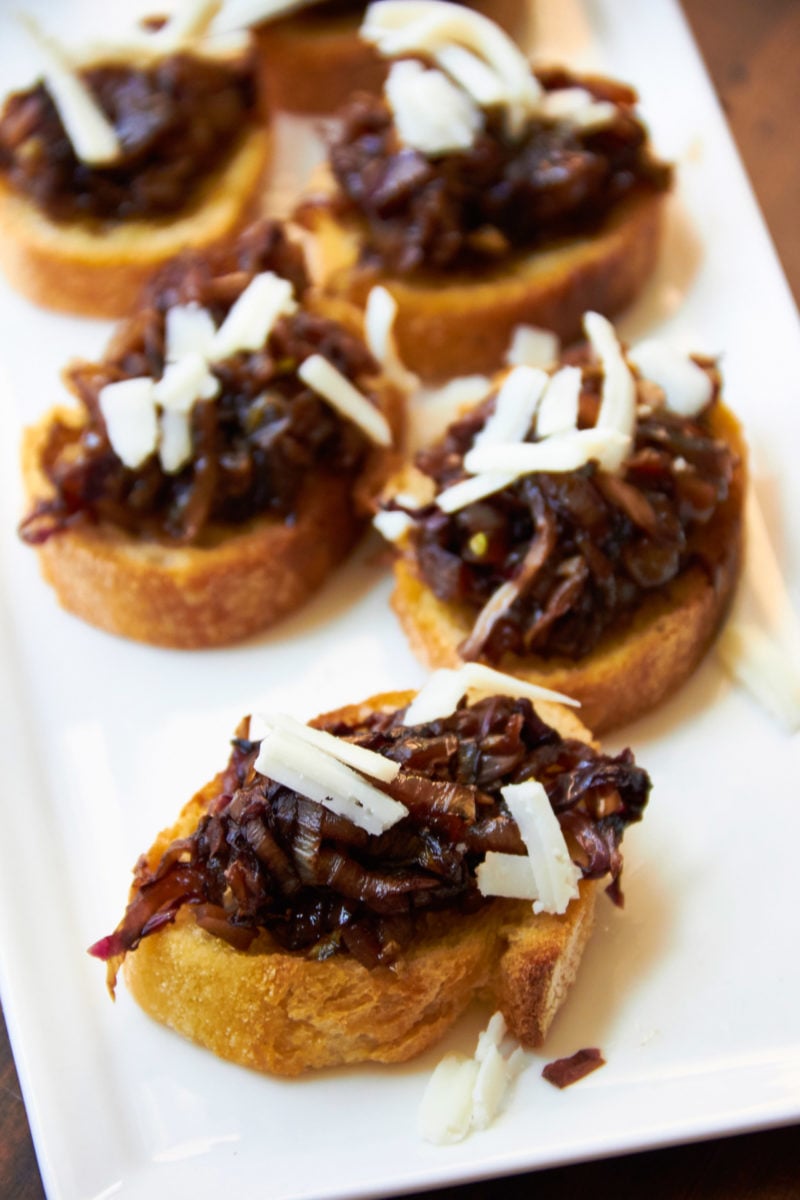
point(408, 27)
point(129, 412)
point(533, 347)
point(431, 114)
point(508, 875)
point(440, 696)
point(577, 106)
point(316, 774)
point(392, 525)
point(252, 316)
point(190, 329)
point(466, 1094)
point(561, 452)
point(186, 380)
point(323, 378)
point(687, 387)
point(380, 313)
point(91, 134)
point(514, 408)
point(469, 491)
point(618, 403)
point(558, 411)
point(175, 440)
point(367, 762)
point(556, 876)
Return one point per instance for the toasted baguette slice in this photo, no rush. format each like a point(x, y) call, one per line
point(312, 61)
point(284, 1013)
point(461, 323)
point(96, 269)
point(237, 582)
point(636, 665)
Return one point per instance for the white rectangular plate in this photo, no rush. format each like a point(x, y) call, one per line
point(691, 991)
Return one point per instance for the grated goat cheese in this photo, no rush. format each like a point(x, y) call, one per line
point(440, 695)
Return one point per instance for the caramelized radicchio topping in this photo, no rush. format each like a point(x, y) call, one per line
point(177, 121)
point(253, 444)
point(265, 858)
point(459, 210)
point(576, 552)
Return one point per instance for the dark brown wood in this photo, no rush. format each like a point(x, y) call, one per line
point(751, 48)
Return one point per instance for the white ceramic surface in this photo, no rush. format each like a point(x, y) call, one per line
point(691, 991)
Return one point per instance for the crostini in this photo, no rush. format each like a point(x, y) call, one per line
point(482, 194)
point(111, 167)
point(343, 890)
point(581, 528)
point(219, 464)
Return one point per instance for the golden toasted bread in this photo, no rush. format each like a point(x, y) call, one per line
point(636, 664)
point(461, 323)
point(97, 269)
point(237, 581)
point(285, 1013)
point(312, 61)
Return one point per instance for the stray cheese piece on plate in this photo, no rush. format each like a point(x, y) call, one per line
point(465, 1094)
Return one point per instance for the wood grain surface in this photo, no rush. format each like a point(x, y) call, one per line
point(752, 50)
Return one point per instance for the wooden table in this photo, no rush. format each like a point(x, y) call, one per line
point(752, 49)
